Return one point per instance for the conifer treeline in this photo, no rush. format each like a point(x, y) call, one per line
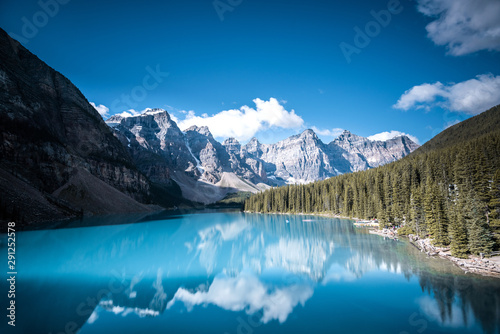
point(451, 194)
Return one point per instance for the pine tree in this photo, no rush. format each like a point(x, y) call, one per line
point(435, 215)
point(452, 193)
point(480, 240)
point(398, 200)
point(494, 207)
point(416, 213)
point(458, 232)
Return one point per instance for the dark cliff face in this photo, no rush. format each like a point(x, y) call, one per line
point(50, 133)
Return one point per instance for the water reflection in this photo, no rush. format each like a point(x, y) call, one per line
point(246, 292)
point(213, 265)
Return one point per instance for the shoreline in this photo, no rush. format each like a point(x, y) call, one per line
point(489, 267)
point(473, 264)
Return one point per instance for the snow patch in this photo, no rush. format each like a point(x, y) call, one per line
point(292, 180)
point(198, 163)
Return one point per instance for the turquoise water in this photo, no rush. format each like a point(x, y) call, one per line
point(240, 273)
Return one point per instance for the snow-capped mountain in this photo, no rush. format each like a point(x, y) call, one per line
point(207, 170)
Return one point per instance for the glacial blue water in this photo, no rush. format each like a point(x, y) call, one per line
point(231, 272)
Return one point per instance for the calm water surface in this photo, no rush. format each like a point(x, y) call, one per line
point(240, 273)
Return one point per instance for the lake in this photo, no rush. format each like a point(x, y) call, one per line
point(232, 272)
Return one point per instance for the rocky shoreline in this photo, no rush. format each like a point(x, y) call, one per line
point(473, 264)
point(386, 233)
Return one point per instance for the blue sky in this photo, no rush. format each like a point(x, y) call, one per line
point(281, 59)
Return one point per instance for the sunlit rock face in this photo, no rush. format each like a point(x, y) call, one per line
point(364, 153)
point(156, 134)
point(305, 158)
point(297, 159)
point(195, 153)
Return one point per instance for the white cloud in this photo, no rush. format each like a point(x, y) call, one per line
point(147, 111)
point(246, 292)
point(383, 136)
point(472, 96)
point(327, 132)
point(174, 118)
point(453, 317)
point(129, 113)
point(463, 26)
point(424, 93)
point(245, 122)
point(101, 109)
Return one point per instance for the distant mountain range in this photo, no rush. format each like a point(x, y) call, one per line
point(60, 159)
point(195, 160)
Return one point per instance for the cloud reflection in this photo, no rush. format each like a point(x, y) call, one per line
point(247, 293)
point(454, 316)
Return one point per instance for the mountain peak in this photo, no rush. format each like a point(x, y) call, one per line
point(202, 130)
point(308, 133)
point(347, 136)
point(254, 140)
point(154, 111)
point(231, 141)
point(117, 118)
point(232, 145)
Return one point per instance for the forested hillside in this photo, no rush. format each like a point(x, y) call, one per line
point(449, 189)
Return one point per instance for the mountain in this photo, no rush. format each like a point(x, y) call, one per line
point(305, 158)
point(298, 159)
point(363, 153)
point(202, 167)
point(58, 157)
point(207, 170)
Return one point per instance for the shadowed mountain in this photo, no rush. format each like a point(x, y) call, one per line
point(474, 127)
point(58, 157)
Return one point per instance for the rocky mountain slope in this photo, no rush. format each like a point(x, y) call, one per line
point(474, 127)
point(363, 153)
point(53, 142)
point(198, 162)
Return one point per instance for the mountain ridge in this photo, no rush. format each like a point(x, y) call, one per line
point(474, 127)
point(200, 160)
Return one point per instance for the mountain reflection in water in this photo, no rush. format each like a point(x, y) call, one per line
point(230, 272)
